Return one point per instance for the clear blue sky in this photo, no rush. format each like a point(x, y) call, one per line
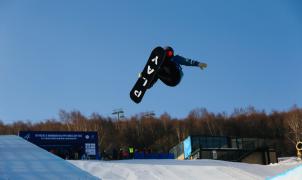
point(86, 55)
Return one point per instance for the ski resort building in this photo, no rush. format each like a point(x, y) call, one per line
point(249, 150)
point(65, 144)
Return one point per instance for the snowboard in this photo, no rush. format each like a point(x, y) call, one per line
point(152, 66)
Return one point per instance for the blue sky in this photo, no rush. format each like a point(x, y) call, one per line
point(85, 55)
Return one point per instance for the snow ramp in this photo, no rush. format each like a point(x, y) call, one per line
point(19, 159)
point(292, 174)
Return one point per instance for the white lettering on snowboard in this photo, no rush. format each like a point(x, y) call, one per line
point(155, 59)
point(149, 70)
point(137, 93)
point(146, 81)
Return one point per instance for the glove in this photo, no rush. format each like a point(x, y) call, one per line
point(202, 65)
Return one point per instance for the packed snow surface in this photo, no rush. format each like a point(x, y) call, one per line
point(188, 169)
point(293, 173)
point(20, 159)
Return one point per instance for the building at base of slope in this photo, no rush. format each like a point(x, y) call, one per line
point(249, 150)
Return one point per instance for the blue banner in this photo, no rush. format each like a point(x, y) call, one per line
point(65, 141)
point(141, 155)
point(187, 147)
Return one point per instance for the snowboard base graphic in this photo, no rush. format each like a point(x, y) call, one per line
point(154, 62)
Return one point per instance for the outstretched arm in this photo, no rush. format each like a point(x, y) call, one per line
point(188, 62)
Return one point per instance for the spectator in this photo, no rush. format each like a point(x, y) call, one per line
point(121, 154)
point(131, 152)
point(114, 154)
point(125, 154)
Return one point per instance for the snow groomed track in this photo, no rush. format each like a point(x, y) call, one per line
point(184, 169)
point(20, 159)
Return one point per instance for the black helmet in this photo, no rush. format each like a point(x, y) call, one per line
point(169, 50)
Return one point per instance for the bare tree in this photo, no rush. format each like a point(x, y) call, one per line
point(293, 121)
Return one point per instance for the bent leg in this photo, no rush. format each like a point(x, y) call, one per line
point(170, 74)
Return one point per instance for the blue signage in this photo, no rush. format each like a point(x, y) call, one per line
point(187, 147)
point(66, 142)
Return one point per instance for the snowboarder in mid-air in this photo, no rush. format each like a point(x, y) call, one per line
point(164, 65)
point(170, 71)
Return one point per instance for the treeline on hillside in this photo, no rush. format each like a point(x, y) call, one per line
point(162, 133)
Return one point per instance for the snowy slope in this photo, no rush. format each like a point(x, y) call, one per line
point(20, 159)
point(294, 173)
point(179, 170)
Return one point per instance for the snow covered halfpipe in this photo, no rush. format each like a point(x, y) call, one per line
point(20, 159)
